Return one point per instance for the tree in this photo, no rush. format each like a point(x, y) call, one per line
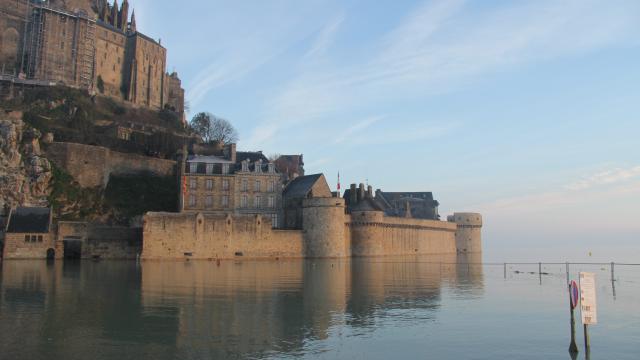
point(213, 129)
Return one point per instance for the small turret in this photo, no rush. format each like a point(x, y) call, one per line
point(104, 14)
point(132, 24)
point(124, 16)
point(114, 14)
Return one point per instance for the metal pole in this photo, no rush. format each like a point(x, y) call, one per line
point(573, 347)
point(612, 272)
point(505, 270)
point(587, 343)
point(567, 264)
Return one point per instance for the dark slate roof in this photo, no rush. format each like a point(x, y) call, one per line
point(367, 204)
point(300, 186)
point(29, 220)
point(251, 155)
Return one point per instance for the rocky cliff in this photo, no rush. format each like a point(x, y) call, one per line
point(24, 172)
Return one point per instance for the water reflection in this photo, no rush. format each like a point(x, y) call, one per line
point(192, 310)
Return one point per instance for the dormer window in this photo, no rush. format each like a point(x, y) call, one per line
point(225, 168)
point(272, 168)
point(193, 168)
point(209, 169)
point(245, 166)
point(258, 166)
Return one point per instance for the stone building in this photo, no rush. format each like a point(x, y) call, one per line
point(417, 205)
point(87, 44)
point(298, 189)
point(28, 234)
point(231, 182)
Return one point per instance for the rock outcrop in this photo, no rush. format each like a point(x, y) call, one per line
point(24, 172)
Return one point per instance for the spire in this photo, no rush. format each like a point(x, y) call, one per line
point(124, 16)
point(104, 16)
point(133, 20)
point(114, 14)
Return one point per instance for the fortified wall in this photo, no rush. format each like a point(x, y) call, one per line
point(327, 233)
point(91, 166)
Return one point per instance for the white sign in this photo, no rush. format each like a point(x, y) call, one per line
point(588, 298)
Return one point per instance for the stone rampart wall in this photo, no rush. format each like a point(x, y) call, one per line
point(373, 234)
point(91, 166)
point(210, 236)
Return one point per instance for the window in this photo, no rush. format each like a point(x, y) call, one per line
point(245, 165)
point(225, 184)
point(274, 220)
point(34, 238)
point(208, 201)
point(209, 184)
point(257, 203)
point(209, 169)
point(225, 200)
point(243, 201)
point(272, 168)
point(245, 185)
point(193, 168)
point(192, 200)
point(256, 186)
point(193, 184)
point(39, 238)
point(258, 166)
point(27, 238)
point(271, 202)
point(225, 168)
point(271, 186)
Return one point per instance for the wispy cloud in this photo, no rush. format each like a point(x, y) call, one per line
point(439, 45)
point(347, 133)
point(606, 177)
point(325, 37)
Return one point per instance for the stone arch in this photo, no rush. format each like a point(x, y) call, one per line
point(9, 44)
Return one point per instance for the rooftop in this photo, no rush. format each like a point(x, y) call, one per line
point(29, 220)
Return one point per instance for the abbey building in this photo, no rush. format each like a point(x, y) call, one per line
point(88, 44)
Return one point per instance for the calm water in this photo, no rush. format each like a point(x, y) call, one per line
point(382, 308)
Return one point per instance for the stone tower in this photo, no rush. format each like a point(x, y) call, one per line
point(323, 225)
point(468, 233)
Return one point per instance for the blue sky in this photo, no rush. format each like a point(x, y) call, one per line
point(526, 111)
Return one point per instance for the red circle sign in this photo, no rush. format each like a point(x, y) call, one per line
point(575, 294)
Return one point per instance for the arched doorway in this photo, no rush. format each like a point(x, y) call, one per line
point(51, 254)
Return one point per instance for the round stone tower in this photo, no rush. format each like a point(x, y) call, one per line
point(468, 232)
point(323, 224)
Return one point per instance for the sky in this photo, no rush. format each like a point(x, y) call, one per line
point(525, 111)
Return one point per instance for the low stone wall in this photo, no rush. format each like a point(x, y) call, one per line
point(99, 241)
point(373, 234)
point(91, 166)
point(210, 236)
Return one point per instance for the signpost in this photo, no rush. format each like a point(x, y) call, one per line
point(588, 304)
point(574, 298)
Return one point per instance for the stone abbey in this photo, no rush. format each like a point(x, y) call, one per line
point(87, 44)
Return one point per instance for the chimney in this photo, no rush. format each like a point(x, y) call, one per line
point(353, 195)
point(370, 192)
point(229, 152)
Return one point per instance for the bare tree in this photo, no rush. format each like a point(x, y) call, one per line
point(223, 131)
point(213, 129)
